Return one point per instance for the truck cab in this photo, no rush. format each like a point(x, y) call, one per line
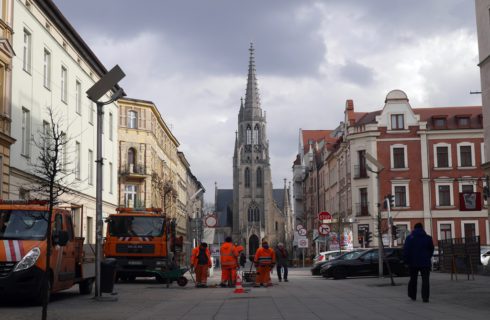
point(23, 245)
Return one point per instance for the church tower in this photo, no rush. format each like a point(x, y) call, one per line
point(253, 216)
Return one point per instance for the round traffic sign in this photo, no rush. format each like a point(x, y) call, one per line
point(302, 232)
point(324, 229)
point(324, 215)
point(299, 226)
point(211, 221)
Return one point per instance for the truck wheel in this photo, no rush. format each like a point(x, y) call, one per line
point(85, 287)
point(182, 281)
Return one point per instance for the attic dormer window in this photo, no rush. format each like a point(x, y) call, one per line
point(439, 122)
point(397, 122)
point(463, 121)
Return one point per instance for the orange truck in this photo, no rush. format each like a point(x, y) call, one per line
point(139, 240)
point(23, 245)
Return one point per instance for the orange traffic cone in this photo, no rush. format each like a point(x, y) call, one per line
point(238, 284)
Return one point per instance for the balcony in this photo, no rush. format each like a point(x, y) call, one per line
point(360, 172)
point(362, 209)
point(135, 171)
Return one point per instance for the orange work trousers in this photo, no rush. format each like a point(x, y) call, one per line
point(228, 275)
point(202, 273)
point(263, 274)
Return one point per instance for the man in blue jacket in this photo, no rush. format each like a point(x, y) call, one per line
point(418, 251)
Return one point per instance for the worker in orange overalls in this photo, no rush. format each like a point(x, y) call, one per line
point(201, 261)
point(264, 260)
point(229, 263)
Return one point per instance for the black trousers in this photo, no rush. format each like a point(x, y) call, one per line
point(412, 283)
point(285, 268)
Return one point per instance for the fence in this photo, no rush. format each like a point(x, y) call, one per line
point(460, 255)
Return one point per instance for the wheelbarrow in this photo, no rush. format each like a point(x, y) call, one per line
point(169, 276)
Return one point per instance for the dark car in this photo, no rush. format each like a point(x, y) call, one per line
point(365, 264)
point(323, 258)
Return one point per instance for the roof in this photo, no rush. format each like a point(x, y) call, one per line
point(316, 136)
point(451, 113)
point(278, 196)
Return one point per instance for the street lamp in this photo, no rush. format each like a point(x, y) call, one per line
point(107, 82)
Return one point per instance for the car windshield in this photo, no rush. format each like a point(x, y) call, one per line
point(350, 255)
point(23, 224)
point(134, 226)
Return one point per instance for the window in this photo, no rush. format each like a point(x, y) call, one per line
point(111, 179)
point(398, 158)
point(64, 78)
point(442, 157)
point(46, 134)
point(463, 121)
point(253, 213)
point(111, 126)
point(130, 195)
point(1, 176)
point(91, 113)
point(397, 122)
point(63, 151)
point(77, 160)
point(467, 188)
point(362, 163)
point(259, 177)
point(47, 69)
point(439, 122)
point(27, 52)
point(131, 159)
point(465, 156)
point(445, 231)
point(132, 119)
point(469, 229)
point(249, 135)
point(78, 93)
point(90, 167)
point(256, 134)
point(26, 132)
point(400, 196)
point(247, 177)
point(444, 193)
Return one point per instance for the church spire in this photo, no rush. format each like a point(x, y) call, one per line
point(252, 98)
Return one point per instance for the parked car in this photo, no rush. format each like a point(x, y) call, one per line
point(365, 263)
point(485, 256)
point(323, 258)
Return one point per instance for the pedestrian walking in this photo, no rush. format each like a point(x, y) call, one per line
point(229, 263)
point(282, 259)
point(201, 262)
point(264, 260)
point(417, 252)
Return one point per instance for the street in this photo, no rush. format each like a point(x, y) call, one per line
point(303, 297)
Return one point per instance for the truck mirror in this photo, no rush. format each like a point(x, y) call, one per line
point(60, 238)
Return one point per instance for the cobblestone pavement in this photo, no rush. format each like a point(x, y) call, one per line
point(304, 297)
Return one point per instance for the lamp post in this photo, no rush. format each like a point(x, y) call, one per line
point(107, 82)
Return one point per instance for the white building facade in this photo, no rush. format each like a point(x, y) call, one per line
point(54, 68)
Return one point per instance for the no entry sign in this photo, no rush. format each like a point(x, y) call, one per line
point(324, 215)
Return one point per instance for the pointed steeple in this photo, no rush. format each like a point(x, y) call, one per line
point(252, 98)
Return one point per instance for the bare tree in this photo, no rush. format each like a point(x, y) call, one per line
point(52, 182)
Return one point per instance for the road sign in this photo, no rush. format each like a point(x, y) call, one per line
point(302, 232)
point(324, 229)
point(303, 243)
point(324, 215)
point(299, 226)
point(211, 221)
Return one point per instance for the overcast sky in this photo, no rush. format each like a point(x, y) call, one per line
point(191, 59)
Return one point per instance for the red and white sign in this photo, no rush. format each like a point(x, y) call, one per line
point(324, 215)
point(303, 243)
point(302, 232)
point(211, 221)
point(324, 229)
point(299, 226)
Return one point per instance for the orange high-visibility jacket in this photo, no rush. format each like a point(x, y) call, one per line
point(195, 254)
point(239, 249)
point(265, 256)
point(228, 255)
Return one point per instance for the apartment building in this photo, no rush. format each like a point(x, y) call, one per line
point(53, 68)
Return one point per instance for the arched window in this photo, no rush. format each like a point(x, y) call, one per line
point(132, 119)
point(253, 213)
point(247, 177)
point(131, 159)
point(259, 177)
point(249, 135)
point(256, 134)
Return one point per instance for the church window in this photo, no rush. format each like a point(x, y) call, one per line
point(253, 213)
point(247, 178)
point(259, 177)
point(256, 134)
point(249, 135)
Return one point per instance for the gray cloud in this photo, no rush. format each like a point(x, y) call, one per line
point(357, 73)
